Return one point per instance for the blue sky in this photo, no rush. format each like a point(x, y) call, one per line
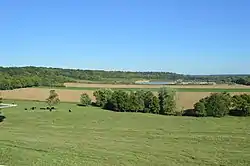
point(193, 37)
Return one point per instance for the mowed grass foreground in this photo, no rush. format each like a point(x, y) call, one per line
point(92, 136)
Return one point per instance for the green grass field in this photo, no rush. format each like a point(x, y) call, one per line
point(92, 136)
point(157, 89)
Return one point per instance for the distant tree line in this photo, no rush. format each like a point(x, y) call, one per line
point(243, 81)
point(22, 77)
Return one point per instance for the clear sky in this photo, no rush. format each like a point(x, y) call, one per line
point(184, 36)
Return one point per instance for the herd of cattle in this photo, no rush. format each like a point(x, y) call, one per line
point(43, 108)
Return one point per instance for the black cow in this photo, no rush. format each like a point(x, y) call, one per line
point(69, 110)
point(2, 117)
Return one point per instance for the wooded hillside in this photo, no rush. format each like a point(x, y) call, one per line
point(21, 77)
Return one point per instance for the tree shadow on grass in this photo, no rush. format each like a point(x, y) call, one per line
point(189, 112)
point(2, 118)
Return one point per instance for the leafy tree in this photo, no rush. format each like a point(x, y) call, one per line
point(167, 101)
point(154, 105)
point(85, 99)
point(217, 105)
point(200, 109)
point(226, 97)
point(147, 97)
point(102, 96)
point(53, 98)
point(241, 105)
point(135, 102)
point(119, 101)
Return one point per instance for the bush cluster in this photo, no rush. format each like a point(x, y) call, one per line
point(138, 101)
point(85, 100)
point(222, 104)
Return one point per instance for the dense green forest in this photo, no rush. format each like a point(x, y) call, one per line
point(21, 77)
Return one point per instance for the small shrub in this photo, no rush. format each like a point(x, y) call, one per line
point(85, 100)
point(53, 98)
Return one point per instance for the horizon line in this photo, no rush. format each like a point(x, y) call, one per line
point(117, 70)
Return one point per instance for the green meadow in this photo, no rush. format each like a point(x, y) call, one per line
point(92, 136)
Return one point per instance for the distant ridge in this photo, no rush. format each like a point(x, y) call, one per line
point(31, 76)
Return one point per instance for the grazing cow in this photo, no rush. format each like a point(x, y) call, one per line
point(69, 110)
point(2, 117)
point(25, 109)
point(42, 108)
point(48, 108)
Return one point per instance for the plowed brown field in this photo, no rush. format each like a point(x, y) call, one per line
point(184, 99)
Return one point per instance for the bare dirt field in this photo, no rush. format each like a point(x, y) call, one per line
point(152, 86)
point(184, 99)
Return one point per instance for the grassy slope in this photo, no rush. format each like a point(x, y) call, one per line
point(156, 89)
point(91, 136)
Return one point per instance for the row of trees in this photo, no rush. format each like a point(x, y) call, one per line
point(215, 105)
point(222, 104)
point(21, 77)
point(139, 101)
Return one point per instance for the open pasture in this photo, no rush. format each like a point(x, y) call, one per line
point(92, 136)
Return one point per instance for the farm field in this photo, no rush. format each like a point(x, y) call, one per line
point(178, 89)
point(136, 86)
point(92, 136)
point(185, 99)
